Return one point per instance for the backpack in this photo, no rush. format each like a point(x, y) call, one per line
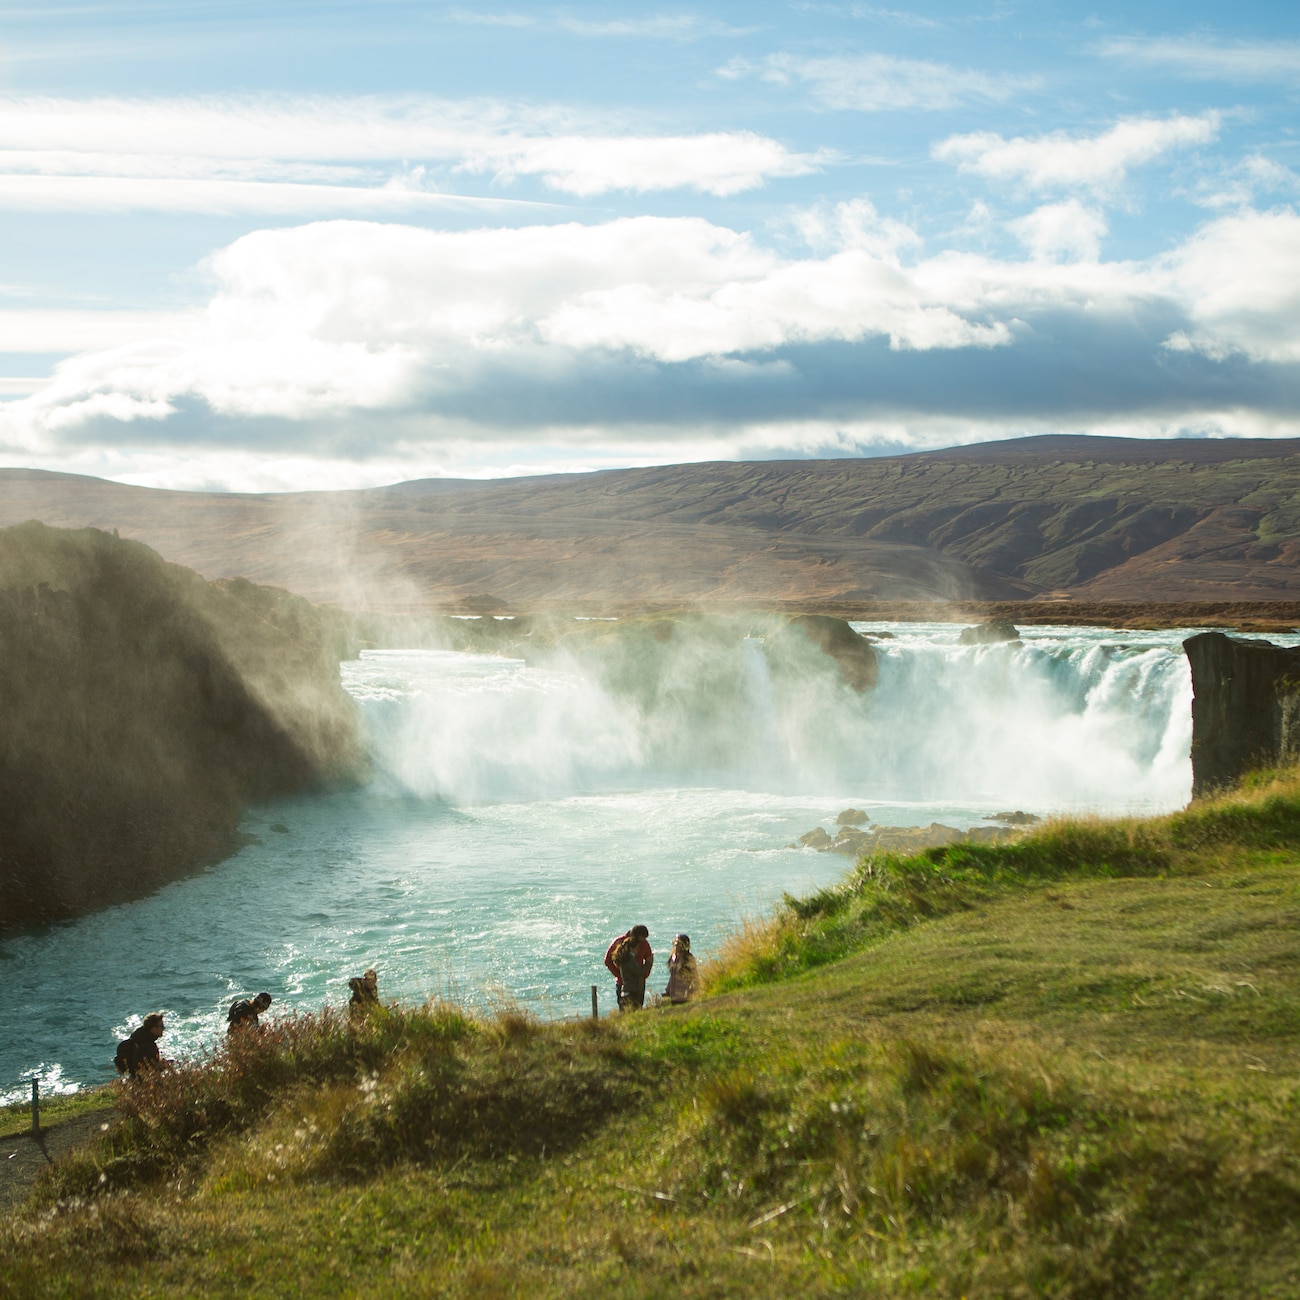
point(128, 1056)
point(625, 957)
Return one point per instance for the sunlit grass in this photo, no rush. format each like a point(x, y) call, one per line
point(1064, 1066)
point(54, 1109)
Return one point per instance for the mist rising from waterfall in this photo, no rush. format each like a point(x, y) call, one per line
point(1065, 719)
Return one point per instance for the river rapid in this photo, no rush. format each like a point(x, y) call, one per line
point(520, 817)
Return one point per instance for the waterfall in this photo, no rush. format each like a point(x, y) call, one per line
point(1065, 719)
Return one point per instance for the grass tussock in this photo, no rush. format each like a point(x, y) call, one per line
point(169, 1117)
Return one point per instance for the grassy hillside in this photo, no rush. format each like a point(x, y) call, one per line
point(1065, 1067)
point(1099, 519)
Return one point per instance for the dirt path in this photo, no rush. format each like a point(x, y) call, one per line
point(23, 1157)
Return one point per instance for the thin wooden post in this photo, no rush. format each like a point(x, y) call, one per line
point(595, 1008)
point(36, 1107)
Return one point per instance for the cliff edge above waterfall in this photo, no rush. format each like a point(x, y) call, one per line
point(1245, 708)
point(141, 709)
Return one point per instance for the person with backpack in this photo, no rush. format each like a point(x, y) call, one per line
point(244, 1013)
point(365, 993)
point(683, 974)
point(630, 959)
point(140, 1051)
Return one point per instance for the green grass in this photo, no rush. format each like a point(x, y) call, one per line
point(1062, 1067)
point(55, 1109)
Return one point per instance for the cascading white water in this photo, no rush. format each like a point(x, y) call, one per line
point(1056, 721)
point(521, 816)
point(472, 729)
point(1047, 721)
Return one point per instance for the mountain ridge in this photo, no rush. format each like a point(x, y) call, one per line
point(1055, 516)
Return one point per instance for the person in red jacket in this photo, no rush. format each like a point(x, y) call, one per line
point(630, 959)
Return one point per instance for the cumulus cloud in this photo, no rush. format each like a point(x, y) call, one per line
point(871, 83)
point(855, 224)
point(1240, 61)
point(1062, 230)
point(398, 344)
point(1063, 161)
point(345, 154)
point(346, 316)
point(1241, 279)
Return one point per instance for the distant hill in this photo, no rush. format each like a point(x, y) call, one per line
point(1094, 519)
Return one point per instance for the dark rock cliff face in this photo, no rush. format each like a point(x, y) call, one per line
point(141, 709)
point(1245, 707)
point(852, 652)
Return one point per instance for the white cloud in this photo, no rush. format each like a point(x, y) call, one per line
point(332, 155)
point(340, 316)
point(671, 289)
point(211, 197)
point(1240, 184)
point(1063, 161)
point(1240, 276)
point(855, 224)
point(411, 340)
point(671, 27)
point(721, 163)
point(880, 82)
point(64, 330)
point(904, 17)
point(1066, 229)
point(1241, 61)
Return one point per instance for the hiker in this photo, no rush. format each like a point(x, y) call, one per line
point(683, 977)
point(630, 959)
point(244, 1013)
point(365, 992)
point(140, 1051)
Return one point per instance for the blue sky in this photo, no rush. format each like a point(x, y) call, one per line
point(276, 245)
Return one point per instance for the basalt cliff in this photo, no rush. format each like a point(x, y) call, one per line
point(141, 709)
point(1245, 708)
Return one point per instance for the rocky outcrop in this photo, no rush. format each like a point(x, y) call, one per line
point(852, 652)
point(1016, 818)
point(1245, 708)
point(864, 843)
point(991, 633)
point(141, 709)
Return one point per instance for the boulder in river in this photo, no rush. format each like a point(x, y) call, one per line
point(852, 817)
point(856, 843)
point(1016, 818)
point(1245, 708)
point(991, 633)
point(834, 637)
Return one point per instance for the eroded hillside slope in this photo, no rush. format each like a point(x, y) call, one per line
point(1099, 519)
point(141, 707)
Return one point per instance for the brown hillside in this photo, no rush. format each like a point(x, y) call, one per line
point(1093, 519)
